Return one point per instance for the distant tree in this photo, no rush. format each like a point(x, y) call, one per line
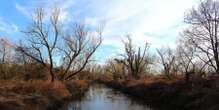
point(203, 32)
point(6, 56)
point(115, 68)
point(95, 70)
point(185, 57)
point(134, 59)
point(5, 50)
point(167, 59)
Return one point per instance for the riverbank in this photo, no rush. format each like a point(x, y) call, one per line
point(200, 94)
point(38, 94)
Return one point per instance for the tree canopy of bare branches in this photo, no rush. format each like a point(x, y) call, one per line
point(42, 38)
point(203, 32)
point(6, 56)
point(186, 58)
point(134, 59)
point(79, 47)
point(5, 50)
point(48, 38)
point(167, 59)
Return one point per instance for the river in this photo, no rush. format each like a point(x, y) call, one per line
point(100, 97)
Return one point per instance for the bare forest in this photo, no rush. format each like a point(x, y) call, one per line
point(54, 62)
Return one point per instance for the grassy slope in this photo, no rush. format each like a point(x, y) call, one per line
point(35, 95)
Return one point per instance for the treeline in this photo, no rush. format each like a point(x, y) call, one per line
point(195, 55)
point(62, 51)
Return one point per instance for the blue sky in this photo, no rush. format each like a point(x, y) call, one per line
point(155, 21)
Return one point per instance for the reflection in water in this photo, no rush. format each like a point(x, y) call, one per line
point(100, 97)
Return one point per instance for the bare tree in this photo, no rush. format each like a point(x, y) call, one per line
point(5, 50)
point(42, 38)
point(80, 45)
point(6, 56)
point(134, 60)
point(111, 68)
point(95, 70)
point(203, 32)
point(167, 59)
point(116, 69)
point(185, 58)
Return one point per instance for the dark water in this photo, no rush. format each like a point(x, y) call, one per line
point(99, 97)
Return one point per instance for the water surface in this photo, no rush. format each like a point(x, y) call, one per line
point(100, 97)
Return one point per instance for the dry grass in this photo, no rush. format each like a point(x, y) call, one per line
point(198, 94)
point(34, 87)
point(151, 80)
point(77, 87)
point(79, 83)
point(31, 95)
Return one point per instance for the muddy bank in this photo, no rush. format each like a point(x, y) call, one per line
point(38, 94)
point(201, 94)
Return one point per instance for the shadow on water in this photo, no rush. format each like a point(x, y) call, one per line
point(99, 97)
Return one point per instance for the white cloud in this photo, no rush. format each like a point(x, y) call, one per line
point(91, 21)
point(8, 28)
point(155, 17)
point(22, 9)
point(14, 28)
point(155, 21)
point(64, 5)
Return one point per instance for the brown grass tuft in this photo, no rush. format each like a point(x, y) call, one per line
point(34, 95)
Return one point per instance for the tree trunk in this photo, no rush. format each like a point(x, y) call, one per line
point(52, 75)
point(217, 61)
